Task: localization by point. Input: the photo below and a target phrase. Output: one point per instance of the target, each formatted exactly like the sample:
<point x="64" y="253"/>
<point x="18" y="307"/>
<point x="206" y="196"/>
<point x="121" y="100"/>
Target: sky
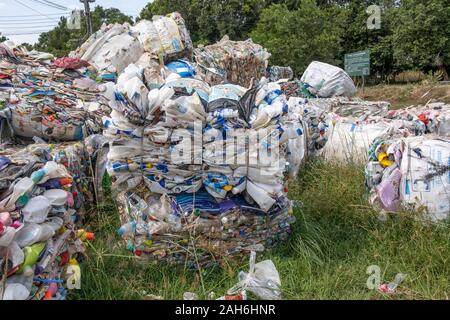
<point x="23" y="20"/>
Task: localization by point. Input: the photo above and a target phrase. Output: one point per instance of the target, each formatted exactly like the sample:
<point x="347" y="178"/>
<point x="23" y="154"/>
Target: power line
<point x="56" y="4"/>
<point x="28" y="21"/>
<point x="34" y="15"/>
<point x="24" y="33"/>
<point x="26" y="6"/>
<point x="52" y="5"/>
<point x="29" y="27"/>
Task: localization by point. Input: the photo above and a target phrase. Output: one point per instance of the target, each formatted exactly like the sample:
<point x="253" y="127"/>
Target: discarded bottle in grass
<point x="392" y="286"/>
<point x="398" y="279"/>
<point x="190" y="296"/>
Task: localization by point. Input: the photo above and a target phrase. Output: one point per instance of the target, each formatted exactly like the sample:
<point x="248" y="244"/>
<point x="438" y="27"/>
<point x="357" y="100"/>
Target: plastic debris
<point x="262" y="280"/>
<point x="326" y="81"/>
<point x="190" y="296"/>
<point x="112" y="48"/>
<point x="43" y="190"/>
<point x="166" y="201"/>
<point x="391" y="287"/>
<point x="236" y="62"/>
<point x="277" y="73"/>
<point x="414" y="174"/>
<point x="58" y="101"/>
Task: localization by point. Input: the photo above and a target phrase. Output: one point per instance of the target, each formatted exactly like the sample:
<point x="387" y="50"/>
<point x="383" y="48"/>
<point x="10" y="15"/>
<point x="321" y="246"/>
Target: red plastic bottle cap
<point x="66" y="181"/>
<point x="138" y="253"/>
<point x="90" y="236"/>
<point x="74" y="194"/>
<point x="48" y="295"/>
<point x="286" y="189"/>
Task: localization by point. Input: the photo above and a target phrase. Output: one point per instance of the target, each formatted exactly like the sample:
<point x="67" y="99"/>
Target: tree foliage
<point x="299" y="36"/>
<point x="421" y="35"/>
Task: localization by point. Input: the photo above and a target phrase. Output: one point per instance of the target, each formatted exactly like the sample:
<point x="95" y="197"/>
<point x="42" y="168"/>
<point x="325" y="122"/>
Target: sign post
<point x="357" y="64"/>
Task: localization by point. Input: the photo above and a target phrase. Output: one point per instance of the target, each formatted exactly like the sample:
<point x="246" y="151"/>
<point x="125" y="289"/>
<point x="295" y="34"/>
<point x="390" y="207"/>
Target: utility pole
<point x="87" y="12"/>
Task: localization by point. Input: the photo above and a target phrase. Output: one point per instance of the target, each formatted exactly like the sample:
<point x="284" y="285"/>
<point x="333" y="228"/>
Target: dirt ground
<point x="407" y="95"/>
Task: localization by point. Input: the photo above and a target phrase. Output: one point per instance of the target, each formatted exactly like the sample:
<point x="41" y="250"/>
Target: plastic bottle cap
<point x="48" y="295"/>
<point x="138" y="253"/>
<point x="73" y="262"/>
<point x="90" y="236"/>
<point x="148" y="243"/>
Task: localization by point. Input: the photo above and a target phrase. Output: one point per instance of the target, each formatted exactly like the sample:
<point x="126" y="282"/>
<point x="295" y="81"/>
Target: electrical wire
<point x="29" y="27"/>
<point x="27" y="22"/>
<point x="24" y="33"/>
<point x="50" y="4"/>
<point x="55" y="4"/>
<point x="32" y="9"/>
<point x="33" y="15"/>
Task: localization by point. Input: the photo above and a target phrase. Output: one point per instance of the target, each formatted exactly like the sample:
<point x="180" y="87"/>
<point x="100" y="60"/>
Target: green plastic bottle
<point x="32" y="254"/>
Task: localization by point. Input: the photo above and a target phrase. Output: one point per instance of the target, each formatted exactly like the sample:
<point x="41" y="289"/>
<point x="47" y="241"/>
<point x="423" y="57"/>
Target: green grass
<point x="336" y="237"/>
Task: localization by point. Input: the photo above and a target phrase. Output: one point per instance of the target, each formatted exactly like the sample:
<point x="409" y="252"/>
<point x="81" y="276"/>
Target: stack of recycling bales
<point x="410" y="173"/>
<point x="43" y="190"/>
<point x="57" y="100"/>
<point x="112" y="48"/>
<point x="235" y="62"/>
<point x="183" y="199"/>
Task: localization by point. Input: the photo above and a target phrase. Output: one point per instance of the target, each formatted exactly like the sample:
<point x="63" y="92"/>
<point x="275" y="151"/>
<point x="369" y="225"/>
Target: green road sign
<point x="357" y="64"/>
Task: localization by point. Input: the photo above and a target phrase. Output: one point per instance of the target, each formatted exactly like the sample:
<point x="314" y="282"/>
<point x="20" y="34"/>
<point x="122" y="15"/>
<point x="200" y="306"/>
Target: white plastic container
<point x="33" y="233"/>
<point x="57" y="197"/>
<point x="36" y="210"/>
<point x="15" y="291"/>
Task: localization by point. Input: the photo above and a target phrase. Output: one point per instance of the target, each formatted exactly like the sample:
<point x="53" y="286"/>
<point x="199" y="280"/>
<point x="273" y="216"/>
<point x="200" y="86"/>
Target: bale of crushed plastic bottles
<point x="44" y="189"/>
<point x="57" y="100"/>
<point x="410" y="173"/>
<point x="182" y="196"/>
<point x="236" y="62"/>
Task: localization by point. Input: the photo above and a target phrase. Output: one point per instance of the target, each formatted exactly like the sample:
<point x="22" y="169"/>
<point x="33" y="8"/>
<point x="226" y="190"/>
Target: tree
<point x="60" y="41"/>
<point x="297" y="37"/>
<point x="2" y="38"/>
<point x="421" y="35"/>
